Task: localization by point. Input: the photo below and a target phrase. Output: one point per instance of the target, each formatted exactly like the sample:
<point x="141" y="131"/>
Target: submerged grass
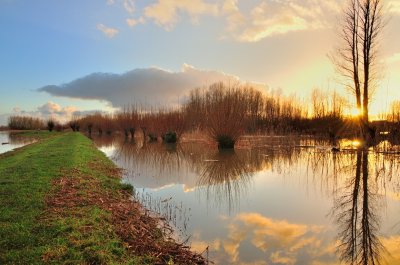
<point x="61" y="201"/>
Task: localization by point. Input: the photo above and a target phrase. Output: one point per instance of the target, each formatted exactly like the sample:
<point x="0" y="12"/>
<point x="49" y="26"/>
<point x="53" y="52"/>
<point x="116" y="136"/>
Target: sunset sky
<point x="59" y="57"/>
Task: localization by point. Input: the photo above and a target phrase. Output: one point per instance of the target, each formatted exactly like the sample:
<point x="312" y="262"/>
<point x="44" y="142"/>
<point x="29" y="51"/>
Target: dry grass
<point x="142" y="234"/>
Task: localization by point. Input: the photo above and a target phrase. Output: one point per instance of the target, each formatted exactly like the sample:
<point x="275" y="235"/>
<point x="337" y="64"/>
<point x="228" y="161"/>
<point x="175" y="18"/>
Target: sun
<point x="354" y="112"/>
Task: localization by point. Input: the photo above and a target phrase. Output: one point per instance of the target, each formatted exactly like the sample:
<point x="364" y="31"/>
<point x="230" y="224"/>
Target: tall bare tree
<point x="356" y="59"/>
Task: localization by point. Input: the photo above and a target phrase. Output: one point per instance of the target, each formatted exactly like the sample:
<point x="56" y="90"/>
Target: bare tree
<point x="357" y="58"/>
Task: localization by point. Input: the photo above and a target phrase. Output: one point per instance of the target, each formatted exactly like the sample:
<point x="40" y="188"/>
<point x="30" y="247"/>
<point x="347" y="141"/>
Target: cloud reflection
<point x="275" y="241"/>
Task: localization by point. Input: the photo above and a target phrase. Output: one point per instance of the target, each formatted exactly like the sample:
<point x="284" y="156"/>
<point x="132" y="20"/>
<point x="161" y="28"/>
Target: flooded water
<point x="10" y="141"/>
<point x="280" y="202"/>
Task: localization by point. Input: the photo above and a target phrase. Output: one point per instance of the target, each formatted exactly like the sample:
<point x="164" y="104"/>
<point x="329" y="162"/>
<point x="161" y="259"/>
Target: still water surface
<point x="280" y="202"/>
<point x="10" y="141"/>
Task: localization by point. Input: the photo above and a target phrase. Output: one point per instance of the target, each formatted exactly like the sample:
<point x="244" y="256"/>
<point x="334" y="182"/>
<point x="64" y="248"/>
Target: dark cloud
<point x="151" y="86"/>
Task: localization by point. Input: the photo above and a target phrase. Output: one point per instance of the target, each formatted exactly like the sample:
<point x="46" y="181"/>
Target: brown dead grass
<point x="142" y="234"/>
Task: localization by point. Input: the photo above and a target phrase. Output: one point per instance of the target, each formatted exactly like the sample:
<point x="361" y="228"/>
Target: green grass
<point x="42" y="134"/>
<point x="33" y="233"/>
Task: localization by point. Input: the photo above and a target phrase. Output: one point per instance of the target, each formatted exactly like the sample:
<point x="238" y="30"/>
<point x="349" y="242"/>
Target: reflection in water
<point x="222" y="175"/>
<point x="289" y="186"/>
<point x="227" y="174"/>
<point x="358" y="217"/>
<point x="10" y="141"/>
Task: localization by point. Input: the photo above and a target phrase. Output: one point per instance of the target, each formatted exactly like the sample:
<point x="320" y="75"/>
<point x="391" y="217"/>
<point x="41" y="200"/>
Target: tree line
<point x="223" y="113"/>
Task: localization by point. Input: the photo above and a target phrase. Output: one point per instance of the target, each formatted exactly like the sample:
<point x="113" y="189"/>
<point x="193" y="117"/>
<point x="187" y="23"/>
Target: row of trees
<point x="25" y="123"/>
<point x="223" y="112"/>
<point x="32" y="123"/>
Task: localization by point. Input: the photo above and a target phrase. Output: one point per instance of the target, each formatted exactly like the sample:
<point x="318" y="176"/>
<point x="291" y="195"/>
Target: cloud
<point x="46" y="111"/>
<point x="199" y="246"/>
<point x="234" y="16"/>
<point x="55" y="111"/>
<point x="141" y="86"/>
<point x="166" y="13"/>
<point x="280" y="233"/>
<point x="129" y="6"/>
<point x="394" y="7"/>
<point x="282" y="241"/>
<point x="109" y="32"/>
<point x="110" y="2"/>
<point x="133" y="22"/>
<point x="281" y="17"/>
<point x="268" y="18"/>
<point x="51" y="108"/>
<point x="265" y="19"/>
<point x="277" y="258"/>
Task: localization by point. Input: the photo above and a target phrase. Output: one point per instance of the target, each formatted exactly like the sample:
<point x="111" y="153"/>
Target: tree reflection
<point x="16" y="139"/>
<point x="223" y="175"/>
<point x="104" y="141"/>
<point x="356" y="214"/>
<point x="227" y="175"/>
<point x="357" y="178"/>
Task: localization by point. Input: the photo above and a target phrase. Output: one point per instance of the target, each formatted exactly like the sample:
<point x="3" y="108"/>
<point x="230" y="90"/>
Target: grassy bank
<point x="61" y="201"/>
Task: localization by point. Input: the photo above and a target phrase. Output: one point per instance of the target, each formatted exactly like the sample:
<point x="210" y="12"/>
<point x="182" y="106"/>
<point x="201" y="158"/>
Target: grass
<point x="46" y="200"/>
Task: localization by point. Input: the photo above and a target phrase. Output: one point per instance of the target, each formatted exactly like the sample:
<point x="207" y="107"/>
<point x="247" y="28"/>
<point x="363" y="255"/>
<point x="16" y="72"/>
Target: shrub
<point x="170" y="137"/>
<point x="225" y="142"/>
<point x="50" y="125"/>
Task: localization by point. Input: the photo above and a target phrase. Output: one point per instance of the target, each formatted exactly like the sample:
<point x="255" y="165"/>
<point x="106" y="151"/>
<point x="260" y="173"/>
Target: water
<point x="287" y="201"/>
<point x="10" y="141"/>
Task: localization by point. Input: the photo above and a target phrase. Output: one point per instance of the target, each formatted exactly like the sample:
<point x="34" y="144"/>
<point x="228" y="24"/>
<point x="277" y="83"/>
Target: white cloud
<point x="264" y="24"/>
<point x="166" y="13"/>
<point x="46" y="111"/>
<point x="281" y="17"/>
<point x="129" y="6"/>
<point x="234" y="17"/>
<point x="267" y="18"/>
<point x="142" y="86"/>
<point x="109" y="32"/>
<point x="110" y="2"/>
<point x="133" y="22"/>
<point x="51" y="108"/>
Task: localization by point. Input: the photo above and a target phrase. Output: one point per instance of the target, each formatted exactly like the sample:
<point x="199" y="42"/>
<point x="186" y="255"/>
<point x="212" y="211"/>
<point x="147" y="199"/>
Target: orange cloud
<point x="283" y="240"/>
<point x="166" y="12"/>
<point x="109" y="32"/>
<point x="392" y="245"/>
<point x="277" y="257"/>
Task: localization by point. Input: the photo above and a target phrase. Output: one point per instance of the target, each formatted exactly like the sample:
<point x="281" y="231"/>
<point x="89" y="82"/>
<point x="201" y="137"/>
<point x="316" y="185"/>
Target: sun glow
<point x="355" y="143"/>
<point x="354" y="112"/>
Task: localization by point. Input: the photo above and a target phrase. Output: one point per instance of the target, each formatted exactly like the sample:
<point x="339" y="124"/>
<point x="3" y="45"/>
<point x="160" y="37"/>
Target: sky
<point x="68" y="57"/>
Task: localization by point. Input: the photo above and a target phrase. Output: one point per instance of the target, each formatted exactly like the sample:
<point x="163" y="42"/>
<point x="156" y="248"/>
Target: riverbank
<point x="62" y="202"/>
